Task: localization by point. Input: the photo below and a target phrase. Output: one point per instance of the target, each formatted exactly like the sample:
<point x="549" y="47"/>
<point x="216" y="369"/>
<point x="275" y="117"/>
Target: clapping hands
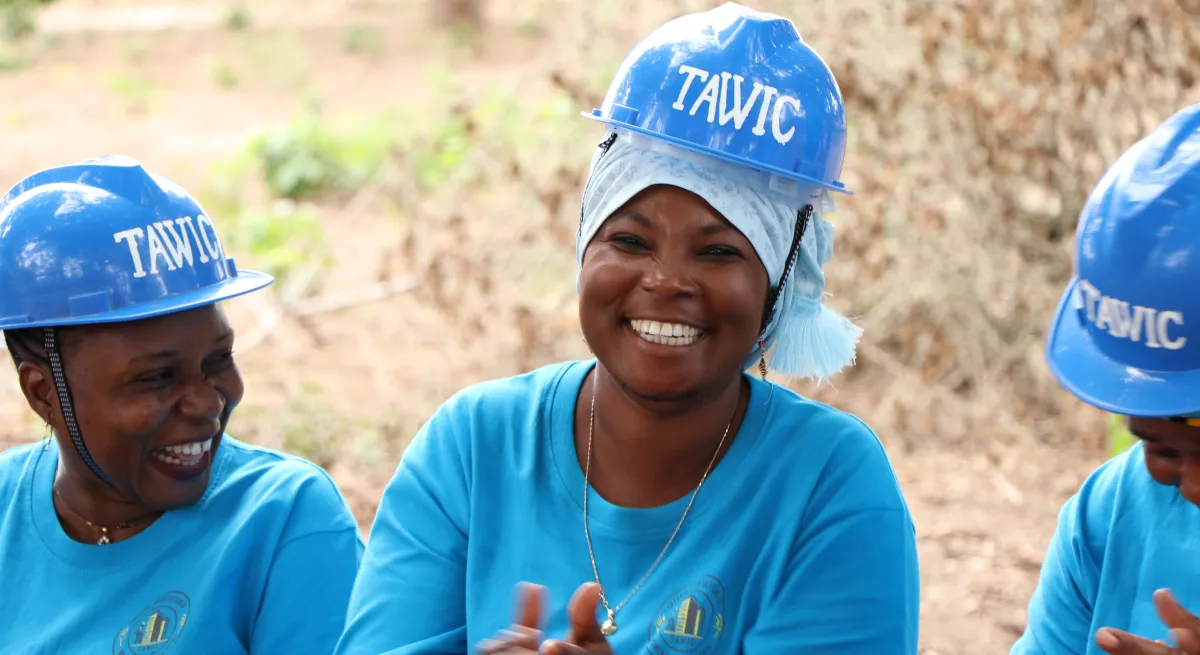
<point x="525" y="636"/>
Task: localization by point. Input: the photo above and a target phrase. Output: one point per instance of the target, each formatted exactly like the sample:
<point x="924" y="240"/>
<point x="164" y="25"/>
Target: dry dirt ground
<point x="986" y="447"/>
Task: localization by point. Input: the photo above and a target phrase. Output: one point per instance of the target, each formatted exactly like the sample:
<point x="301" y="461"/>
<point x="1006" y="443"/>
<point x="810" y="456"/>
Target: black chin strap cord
<point x="803" y="217"/>
<point x="68" y="407"/>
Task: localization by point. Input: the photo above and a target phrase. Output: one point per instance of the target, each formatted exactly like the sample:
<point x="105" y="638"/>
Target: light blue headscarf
<point x="804" y="338"/>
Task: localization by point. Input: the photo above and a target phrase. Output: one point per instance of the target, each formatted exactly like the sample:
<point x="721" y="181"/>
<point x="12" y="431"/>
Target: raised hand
<point x="1185" y="630"/>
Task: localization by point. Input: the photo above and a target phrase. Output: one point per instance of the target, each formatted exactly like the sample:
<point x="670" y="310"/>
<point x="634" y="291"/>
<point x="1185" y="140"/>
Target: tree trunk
<point x="468" y="14"/>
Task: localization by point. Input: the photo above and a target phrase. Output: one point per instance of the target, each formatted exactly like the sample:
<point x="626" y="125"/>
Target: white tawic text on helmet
<point x="717" y="94"/>
<point x="1149" y="326"/>
<point x="169" y="241"/>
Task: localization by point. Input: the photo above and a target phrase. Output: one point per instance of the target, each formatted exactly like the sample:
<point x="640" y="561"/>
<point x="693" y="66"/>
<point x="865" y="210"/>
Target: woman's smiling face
<point x="152" y="399"/>
<point x="672" y="296"/>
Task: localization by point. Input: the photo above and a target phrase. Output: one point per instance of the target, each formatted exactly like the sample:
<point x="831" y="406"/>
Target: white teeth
<point x="172" y="460"/>
<point x="184" y="454"/>
<point x="669" y="334"/>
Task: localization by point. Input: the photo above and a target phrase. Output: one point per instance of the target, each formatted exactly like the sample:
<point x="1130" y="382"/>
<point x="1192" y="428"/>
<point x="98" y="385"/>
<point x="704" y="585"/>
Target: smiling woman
<point x="670" y="243"/>
<point x="659" y="499"/>
<point x="161" y="530"/>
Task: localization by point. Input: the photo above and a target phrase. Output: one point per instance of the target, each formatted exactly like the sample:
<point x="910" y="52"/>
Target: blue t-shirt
<point x="263" y="563"/>
<point x="798" y="542"/>
<point x="1119" y="539"/>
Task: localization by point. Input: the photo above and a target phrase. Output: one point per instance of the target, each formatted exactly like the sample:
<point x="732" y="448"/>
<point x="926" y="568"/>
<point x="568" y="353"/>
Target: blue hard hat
<point x="739" y="85"/>
<point x="103" y="241"/>
<point x="1126" y="337"/>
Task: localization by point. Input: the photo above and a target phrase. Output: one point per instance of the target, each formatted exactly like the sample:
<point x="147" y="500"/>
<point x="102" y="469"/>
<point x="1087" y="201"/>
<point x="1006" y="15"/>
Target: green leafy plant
<point x="308" y="157"/>
<point x="362" y="40"/>
<point x="18" y="18"/>
<point x="238" y="17"/>
<point x="436" y="157"/>
<point x="136" y="92"/>
<point x="1120" y="438"/>
<point x="283" y="240"/>
<point x="222" y="73"/>
<point x="10" y="59"/>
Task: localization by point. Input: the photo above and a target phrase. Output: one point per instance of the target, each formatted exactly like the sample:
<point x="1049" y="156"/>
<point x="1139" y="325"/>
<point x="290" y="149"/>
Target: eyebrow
<point x="162" y="354"/>
<point x="715" y="228"/>
<point x="168" y="354"/>
<point x="640" y="218"/>
<point x="636" y="217"/>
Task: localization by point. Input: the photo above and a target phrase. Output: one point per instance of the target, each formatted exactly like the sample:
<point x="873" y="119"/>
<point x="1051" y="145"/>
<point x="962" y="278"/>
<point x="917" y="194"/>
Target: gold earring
<point x="49" y="434"/>
<point x="587" y="345"/>
<point x="762" y="360"/>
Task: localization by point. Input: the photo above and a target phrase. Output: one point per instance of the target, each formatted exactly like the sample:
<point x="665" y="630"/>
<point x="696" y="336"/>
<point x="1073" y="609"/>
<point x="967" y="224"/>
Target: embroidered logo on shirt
<point x="692" y="620"/>
<point x="153" y="630"/>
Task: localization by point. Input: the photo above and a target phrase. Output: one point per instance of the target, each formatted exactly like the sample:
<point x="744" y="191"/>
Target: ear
<point x="38" y="386"/>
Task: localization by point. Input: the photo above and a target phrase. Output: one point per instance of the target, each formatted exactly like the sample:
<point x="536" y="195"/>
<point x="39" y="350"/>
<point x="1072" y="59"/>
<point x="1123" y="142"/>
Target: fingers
<point x="1172" y="613"/>
<point x="582" y="614"/>
<point x="1119" y="642"/>
<point x="519" y="640"/>
<point x="524" y="635"/>
<point x="531" y="601"/>
<point x="1188" y="641"/>
<point x="562" y="648"/>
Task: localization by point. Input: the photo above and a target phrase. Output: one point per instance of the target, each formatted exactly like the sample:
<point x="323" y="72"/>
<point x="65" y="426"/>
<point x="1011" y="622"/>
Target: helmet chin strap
<point x="68" y="408"/>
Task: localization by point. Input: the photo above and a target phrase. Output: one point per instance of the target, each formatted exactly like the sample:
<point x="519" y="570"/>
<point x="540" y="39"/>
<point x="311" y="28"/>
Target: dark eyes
<point x="160" y="378"/>
<point x="628" y="241"/>
<point x="1162" y="453"/>
<point x="631" y="243"/>
<point x="219" y="361"/>
<point x="157" y="378"/>
<point x="722" y="251"/>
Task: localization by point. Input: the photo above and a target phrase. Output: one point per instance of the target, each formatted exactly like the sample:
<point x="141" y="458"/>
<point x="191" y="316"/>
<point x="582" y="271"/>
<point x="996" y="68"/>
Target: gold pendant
<point x="610" y="626"/>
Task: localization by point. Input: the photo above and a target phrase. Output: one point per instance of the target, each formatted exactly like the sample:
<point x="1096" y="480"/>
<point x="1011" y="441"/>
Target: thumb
<point x="1172" y="613"/>
<point x="530" y="604"/>
<point x="582" y="614"/>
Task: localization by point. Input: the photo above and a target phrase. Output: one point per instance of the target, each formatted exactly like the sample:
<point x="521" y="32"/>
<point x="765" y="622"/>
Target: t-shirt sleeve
<point x="1060" y="610"/>
<point x="303" y="607"/>
<point x="852" y="582"/>
<point x="409" y="597"/>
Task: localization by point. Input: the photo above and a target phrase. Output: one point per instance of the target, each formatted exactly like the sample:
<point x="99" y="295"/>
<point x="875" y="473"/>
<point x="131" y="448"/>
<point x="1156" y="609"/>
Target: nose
<point x="1189" y="480"/>
<point x="203" y="402"/>
<point x="669" y="276"/>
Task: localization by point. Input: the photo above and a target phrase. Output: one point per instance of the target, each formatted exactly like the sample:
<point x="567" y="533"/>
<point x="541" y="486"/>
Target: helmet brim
<point x="1090" y="375"/>
<point x="245" y="282"/>
<point x="723" y="156"/>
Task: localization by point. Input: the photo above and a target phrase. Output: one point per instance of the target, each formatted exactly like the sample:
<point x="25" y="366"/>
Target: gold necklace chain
<point x="103" y="540"/>
<point x="610" y="625"/>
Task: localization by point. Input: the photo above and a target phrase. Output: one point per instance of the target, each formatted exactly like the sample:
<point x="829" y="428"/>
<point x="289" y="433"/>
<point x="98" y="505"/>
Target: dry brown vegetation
<point x="977" y="128"/>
